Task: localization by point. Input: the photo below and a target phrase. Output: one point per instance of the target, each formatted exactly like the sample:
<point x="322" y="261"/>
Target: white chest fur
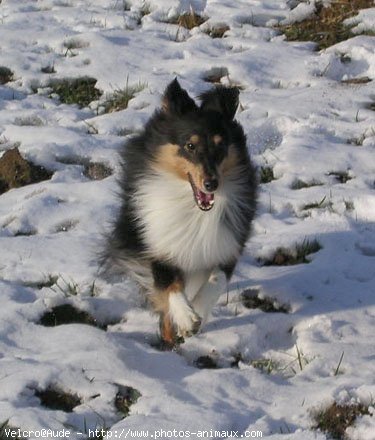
<point x="175" y="229"/>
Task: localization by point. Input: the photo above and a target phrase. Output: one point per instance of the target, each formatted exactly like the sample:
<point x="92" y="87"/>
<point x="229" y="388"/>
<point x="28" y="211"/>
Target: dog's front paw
<point x="189" y="325"/>
<point x="183" y="317"/>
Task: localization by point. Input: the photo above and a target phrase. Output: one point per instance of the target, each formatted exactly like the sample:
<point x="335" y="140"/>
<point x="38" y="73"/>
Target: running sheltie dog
<point x="188" y="198"/>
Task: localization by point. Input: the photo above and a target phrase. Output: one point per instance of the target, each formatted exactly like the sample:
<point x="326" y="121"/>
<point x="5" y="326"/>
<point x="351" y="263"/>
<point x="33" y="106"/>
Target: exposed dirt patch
<point x="340" y="176"/>
<point x="266" y="174"/>
<point x="217" y="31"/>
<point x="301" y="184"/>
<point x="125" y="397"/>
<point x="15" y="171"/>
<point x="92" y="170"/>
<point x="215" y="74"/>
<point x="55" y="398"/>
<point x="188" y="20"/>
<point x="356" y="81"/>
<point x="204" y="362"/>
<point x="6" y="74"/>
<point x="252" y="300"/>
<point x="48" y="281"/>
<point x="97" y="171"/>
<point x="49" y="69"/>
<point x="68" y="314"/>
<point x="336" y="418"/>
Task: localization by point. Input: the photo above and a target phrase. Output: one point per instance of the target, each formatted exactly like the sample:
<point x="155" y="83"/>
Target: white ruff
<point x="175" y="229"/>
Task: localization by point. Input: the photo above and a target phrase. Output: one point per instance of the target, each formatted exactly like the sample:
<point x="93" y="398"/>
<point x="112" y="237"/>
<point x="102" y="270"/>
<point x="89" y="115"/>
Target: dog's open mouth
<point x="203" y="200"/>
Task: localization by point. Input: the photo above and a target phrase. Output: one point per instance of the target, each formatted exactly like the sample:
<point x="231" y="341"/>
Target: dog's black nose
<point x="211" y="184"/>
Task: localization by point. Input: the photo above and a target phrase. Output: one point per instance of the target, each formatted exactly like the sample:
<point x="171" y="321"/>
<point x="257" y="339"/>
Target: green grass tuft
<point x="322" y="204"/>
<point x="266" y="175"/>
<point x="120" y="98"/>
<point x="28" y="121"/>
<point x="296" y="255"/>
<point x="326" y="27"/>
<point x="287" y="368"/>
<point x="126" y="396"/>
<point x="265" y="365"/>
<point x="145" y="9"/>
<point x="79" y="91"/>
<point x="349" y="205"/>
<point x="301" y="184"/>
<point x="340" y="176"/>
<point x="74" y="43"/>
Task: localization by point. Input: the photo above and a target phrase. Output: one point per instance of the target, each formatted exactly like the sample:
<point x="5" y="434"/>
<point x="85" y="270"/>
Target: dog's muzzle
<point x="205" y="201"/>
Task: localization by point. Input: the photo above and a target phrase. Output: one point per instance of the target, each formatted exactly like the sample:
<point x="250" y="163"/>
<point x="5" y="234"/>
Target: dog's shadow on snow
<point x="339" y="276"/>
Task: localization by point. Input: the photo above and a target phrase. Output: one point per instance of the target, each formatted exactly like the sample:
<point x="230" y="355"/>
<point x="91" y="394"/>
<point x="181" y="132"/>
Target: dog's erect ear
<point x="176" y="101"/>
<point x="221" y="99"/>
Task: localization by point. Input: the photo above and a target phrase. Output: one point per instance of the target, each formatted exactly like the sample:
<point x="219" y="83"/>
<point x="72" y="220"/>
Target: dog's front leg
<point x="177" y="318"/>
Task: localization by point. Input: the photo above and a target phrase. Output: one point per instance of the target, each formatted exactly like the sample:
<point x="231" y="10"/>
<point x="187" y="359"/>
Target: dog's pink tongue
<point x="206" y="198"/>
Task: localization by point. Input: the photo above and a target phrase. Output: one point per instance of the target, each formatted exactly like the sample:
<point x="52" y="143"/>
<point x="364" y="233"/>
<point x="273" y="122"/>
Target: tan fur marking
<point x="165" y="105"/>
<point x="160" y="298"/>
<point x="159" y="301"/>
<point x="194" y="139"/>
<point x="229" y="162"/>
<point x="217" y="139"/>
<point x="167" y="331"/>
<point x="175" y="287"/>
<point x="169" y="160"/>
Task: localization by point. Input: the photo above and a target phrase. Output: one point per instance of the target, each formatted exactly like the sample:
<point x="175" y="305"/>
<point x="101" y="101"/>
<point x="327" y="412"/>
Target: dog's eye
<point x="190" y="147"/>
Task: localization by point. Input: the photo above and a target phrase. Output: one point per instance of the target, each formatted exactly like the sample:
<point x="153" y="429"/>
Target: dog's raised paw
<point x="189" y="328"/>
<point x="183" y="317"/>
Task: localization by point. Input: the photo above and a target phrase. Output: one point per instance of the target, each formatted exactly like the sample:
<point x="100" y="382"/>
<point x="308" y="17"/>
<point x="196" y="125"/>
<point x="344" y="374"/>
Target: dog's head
<point x="200" y="144"/>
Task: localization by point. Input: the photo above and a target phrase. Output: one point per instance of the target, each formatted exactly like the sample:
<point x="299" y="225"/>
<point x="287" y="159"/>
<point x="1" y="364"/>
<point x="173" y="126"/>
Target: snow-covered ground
<point x="300" y="119"/>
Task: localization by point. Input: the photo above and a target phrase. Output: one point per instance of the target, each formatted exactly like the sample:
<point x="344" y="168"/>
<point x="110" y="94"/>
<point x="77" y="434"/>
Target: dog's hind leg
<point x="177" y="318"/>
<point x="209" y="294"/>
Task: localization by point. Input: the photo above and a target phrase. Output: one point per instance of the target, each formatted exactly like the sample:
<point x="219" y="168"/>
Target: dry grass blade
<point x="188" y="20"/>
